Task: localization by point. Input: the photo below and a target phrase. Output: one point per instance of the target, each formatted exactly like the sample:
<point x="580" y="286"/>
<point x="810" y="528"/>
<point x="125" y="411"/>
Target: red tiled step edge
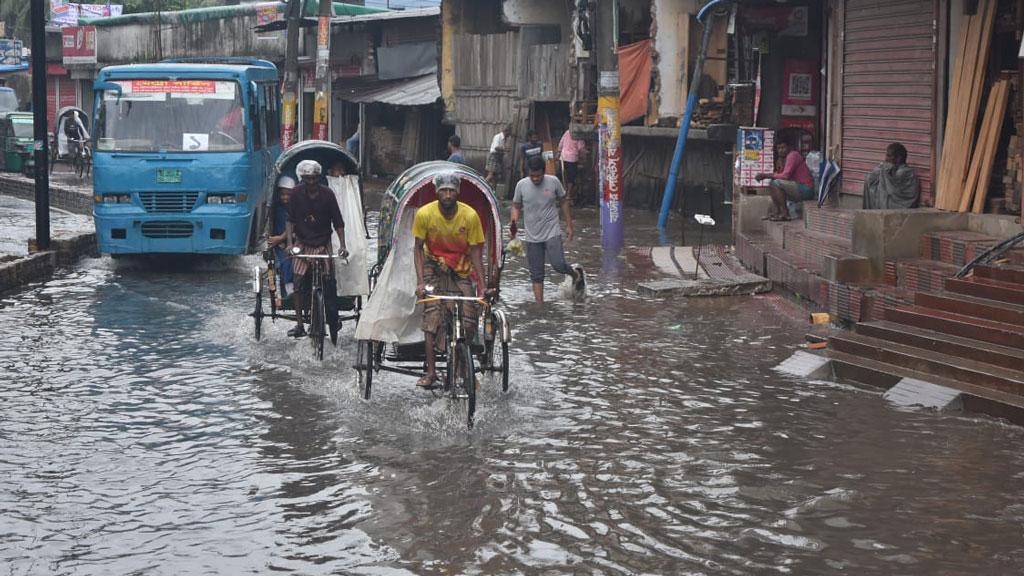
<point x="929" y="362"/>
<point x="1012" y="274"/>
<point x="978" y="399"/>
<point x="986" y="288"/>
<point x="971" y="306"/>
<point x="944" y="344"/>
<point x="958" y="325"/>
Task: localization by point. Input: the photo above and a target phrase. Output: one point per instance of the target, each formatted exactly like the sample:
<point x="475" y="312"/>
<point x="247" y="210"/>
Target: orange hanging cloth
<point x="634" y="80"/>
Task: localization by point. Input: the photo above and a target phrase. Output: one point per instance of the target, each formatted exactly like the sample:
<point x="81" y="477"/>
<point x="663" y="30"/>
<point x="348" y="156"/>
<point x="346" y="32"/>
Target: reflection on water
<point x="144" y="431"/>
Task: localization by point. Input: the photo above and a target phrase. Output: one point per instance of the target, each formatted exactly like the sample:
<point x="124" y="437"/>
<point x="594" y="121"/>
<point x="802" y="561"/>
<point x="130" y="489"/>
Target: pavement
<point x="711" y="270"/>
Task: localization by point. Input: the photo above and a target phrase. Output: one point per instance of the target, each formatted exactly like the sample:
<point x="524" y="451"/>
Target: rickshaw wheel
<point x="364" y="366"/>
<point x="504" y="366"/>
<point x="465" y="369"/>
<point x="316" y="323"/>
<point x="257" y="314"/>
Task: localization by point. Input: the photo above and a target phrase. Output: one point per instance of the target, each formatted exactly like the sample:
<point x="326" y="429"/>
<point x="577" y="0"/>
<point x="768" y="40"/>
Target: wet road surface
<point x="18" y="221"/>
<point x="144" y="431"/>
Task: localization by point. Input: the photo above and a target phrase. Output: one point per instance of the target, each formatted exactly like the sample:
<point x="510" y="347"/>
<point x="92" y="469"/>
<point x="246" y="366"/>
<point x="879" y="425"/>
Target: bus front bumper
<point x="142" y="233"/>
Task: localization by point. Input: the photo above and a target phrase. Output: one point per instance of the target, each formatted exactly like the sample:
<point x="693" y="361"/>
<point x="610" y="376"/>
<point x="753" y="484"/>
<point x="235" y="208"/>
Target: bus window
<point x="273" y="114"/>
<point x="172" y="116"/>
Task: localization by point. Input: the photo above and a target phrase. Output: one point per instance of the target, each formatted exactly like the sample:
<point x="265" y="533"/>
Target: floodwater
<point x="144" y="431"/>
<point x="18" y="221"/>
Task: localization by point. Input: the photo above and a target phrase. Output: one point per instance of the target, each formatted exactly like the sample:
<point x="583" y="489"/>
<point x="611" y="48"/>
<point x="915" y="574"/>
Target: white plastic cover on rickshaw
<point x="353" y="278"/>
<point x="391" y="313"/>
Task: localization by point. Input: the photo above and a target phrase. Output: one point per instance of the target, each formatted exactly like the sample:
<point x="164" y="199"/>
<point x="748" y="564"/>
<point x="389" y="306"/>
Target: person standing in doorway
<point x="533" y="147"/>
<point x="455" y="150"/>
<point x="538" y="199"/>
<point x="569" y="150"/>
<point x="495" y="167"/>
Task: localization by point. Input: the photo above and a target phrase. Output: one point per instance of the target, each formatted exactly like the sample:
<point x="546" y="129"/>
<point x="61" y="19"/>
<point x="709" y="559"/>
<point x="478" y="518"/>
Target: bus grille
<point x="168" y="201"/>
<point x="166" y="229"/>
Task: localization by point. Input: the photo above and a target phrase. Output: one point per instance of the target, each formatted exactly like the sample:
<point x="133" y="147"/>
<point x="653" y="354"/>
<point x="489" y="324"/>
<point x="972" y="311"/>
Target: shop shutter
<point x="889" y="87"/>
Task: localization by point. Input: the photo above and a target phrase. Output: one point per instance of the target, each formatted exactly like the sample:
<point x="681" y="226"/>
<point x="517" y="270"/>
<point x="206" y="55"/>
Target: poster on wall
<point x="800" y="88"/>
<point x="755" y="154"/>
<point x="10" y="52"/>
<point x="64" y="13"/>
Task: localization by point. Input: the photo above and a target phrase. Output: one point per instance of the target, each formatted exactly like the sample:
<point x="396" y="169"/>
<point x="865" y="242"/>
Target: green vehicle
<point x="16" y="135"/>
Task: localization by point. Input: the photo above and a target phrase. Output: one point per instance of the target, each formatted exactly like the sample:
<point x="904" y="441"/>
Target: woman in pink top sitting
<point x="794" y="183"/>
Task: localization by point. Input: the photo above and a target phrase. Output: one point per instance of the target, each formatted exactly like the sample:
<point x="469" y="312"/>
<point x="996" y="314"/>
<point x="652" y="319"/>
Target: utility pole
<point x="289" y="106"/>
<point x="322" y="102"/>
<point x="40" y="146"/>
<point x="609" y="126"/>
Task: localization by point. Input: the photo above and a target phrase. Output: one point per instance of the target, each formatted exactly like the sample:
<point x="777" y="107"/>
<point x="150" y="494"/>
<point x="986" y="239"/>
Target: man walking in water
<point x="536" y="204"/>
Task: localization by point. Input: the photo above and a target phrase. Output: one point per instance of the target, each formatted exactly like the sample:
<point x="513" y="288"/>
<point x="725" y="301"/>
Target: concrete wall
<point x="135" y="43"/>
<point x="671" y="31"/>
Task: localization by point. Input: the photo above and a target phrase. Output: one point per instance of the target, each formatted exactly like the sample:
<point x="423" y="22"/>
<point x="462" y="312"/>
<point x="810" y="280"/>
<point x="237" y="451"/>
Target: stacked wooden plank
<point x="980" y="174"/>
<point x="967" y="86"/>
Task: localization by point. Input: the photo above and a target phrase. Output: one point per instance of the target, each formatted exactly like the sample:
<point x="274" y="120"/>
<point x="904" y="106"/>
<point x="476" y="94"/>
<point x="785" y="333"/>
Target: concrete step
<point x="1003" y="273"/>
<point x="930" y="362"/>
<point x="777" y="231"/>
<point x="958" y="325"/>
<point x="986" y="288"/>
<point x="750" y="249"/>
<point x="923" y="274"/>
<point x="944" y="344"/>
<point x="833" y="222"/>
<point x="971" y="306"/>
<point x="831" y="257"/>
<point x="956" y="247"/>
<point x="851" y="367"/>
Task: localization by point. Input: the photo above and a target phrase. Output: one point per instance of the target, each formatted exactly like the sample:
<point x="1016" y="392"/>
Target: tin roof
<point x="418" y="91"/>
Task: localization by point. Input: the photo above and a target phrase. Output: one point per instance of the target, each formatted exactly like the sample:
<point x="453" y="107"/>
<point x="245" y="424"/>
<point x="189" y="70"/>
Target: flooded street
<point x="143" y="430"/>
<point x="17" y="219"/>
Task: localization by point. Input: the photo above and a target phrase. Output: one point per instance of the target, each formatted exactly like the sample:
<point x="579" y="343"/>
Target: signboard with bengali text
<point x="78" y="44"/>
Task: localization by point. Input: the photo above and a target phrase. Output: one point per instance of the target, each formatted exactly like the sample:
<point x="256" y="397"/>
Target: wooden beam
<point x="995" y="133"/>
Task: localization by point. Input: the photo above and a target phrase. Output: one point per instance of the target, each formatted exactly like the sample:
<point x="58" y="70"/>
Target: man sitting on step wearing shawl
<point x="893" y="184"/>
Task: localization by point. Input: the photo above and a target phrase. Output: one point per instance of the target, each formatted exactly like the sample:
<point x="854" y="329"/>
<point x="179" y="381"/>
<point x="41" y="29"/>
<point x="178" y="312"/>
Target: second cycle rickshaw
<point x="389" y="333"/>
<point x="76" y="152"/>
<point x="334" y="298"/>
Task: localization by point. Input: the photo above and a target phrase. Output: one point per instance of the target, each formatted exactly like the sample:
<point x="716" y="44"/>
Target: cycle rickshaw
<point x="61" y="149"/>
<point x="334" y="298"/>
<point x="389" y="333"/>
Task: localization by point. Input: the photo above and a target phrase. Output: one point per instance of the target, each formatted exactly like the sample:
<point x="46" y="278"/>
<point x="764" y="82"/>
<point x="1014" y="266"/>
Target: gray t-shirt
<point x="540" y="208"/>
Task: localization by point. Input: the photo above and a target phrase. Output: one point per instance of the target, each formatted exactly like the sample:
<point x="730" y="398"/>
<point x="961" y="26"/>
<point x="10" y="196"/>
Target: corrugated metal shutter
<point x="889" y="87"/>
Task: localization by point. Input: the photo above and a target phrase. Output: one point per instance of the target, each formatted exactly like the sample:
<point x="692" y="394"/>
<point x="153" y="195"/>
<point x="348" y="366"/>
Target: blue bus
<point x="183" y="155"/>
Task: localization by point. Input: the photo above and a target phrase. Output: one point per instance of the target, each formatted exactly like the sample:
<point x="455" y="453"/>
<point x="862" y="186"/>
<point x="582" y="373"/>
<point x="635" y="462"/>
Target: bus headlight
<point x="117" y="198"/>
<point x="221" y="199"/>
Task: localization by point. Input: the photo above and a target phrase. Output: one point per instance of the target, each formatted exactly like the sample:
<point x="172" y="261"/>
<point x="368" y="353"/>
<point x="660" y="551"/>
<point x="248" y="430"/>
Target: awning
<point x="419" y="91"/>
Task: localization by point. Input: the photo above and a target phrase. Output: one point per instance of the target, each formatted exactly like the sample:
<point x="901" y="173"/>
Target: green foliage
<point x="16" y="15"/>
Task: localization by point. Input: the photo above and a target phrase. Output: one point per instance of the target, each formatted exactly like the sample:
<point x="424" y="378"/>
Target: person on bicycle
<point x="312" y="214"/>
<point x="75" y="134"/>
<point x="449" y="257"/>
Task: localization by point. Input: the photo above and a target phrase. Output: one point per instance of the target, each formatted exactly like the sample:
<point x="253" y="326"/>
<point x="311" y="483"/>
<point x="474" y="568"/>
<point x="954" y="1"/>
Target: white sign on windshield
<point x="195" y="142"/>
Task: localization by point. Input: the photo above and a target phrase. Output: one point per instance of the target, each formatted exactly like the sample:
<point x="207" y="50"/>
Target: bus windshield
<point x="172" y="116"/>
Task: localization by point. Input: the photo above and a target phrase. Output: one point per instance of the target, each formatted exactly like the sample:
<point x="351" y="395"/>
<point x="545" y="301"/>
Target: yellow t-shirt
<point x="448" y="241"/>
